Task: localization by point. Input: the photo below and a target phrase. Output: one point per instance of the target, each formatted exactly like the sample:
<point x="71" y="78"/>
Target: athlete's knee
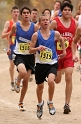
<point x="23" y="73"/>
<point x="40" y="86"/>
<point x="50" y="82"/>
<point x="68" y="78"/>
<point x="57" y="80"/>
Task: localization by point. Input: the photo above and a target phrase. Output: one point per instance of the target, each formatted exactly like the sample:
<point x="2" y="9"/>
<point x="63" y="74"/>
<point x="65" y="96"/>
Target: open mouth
<point x="26" y="17"/>
<point x="45" y="24"/>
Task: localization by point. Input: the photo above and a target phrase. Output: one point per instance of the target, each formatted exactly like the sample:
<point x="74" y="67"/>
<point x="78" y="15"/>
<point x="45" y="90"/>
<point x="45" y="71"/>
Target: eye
<point x="25" y="12"/>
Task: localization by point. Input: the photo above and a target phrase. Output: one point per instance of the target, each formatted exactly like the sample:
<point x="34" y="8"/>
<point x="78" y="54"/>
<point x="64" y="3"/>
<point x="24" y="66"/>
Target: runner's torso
<point x="23" y="39"/>
<point x="48" y="56"/>
<point x="9" y="29"/>
<point x="68" y="34"/>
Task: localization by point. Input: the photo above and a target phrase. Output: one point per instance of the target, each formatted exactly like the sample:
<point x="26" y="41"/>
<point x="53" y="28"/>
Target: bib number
<point x="24" y="47"/>
<point x="59" y="47"/>
<point x="46" y="56"/>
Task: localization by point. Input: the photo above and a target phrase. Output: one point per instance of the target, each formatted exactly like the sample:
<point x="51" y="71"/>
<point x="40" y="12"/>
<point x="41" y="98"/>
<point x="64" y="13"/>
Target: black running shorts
<point x="43" y="70"/>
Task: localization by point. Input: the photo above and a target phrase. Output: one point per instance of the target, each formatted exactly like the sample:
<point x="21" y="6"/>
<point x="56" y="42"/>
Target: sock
<point x="49" y="102"/>
<point x="40" y="104"/>
<point x="66" y="104"/>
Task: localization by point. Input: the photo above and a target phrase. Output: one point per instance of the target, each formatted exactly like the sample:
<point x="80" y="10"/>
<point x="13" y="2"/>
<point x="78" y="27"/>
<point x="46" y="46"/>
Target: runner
<point x="74" y="44"/>
<point x="5" y="34"/>
<point x="21" y="57"/>
<point x="67" y="27"/>
<point x="56" y="12"/>
<point x="78" y="18"/>
<point x="65" y="1"/>
<point x="47" y="12"/>
<point x="79" y="51"/>
<point x="47" y="61"/>
<point x="34" y="16"/>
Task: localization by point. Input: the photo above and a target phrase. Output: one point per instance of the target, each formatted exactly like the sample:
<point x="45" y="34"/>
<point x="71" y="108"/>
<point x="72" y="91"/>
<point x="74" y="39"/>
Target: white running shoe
<point x="51" y="108"/>
<point x="40" y="110"/>
<point x="21" y="107"/>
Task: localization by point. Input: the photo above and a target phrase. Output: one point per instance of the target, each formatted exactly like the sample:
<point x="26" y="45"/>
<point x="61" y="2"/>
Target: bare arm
<point x="54" y="15"/>
<point x="36" y="27"/>
<point x="4" y="32"/>
<point x="61" y="40"/>
<point x="77" y="37"/>
<point x="77" y="17"/>
<point x="33" y="42"/>
<point x="38" y="24"/>
<point x="53" y="25"/>
<point x="13" y="30"/>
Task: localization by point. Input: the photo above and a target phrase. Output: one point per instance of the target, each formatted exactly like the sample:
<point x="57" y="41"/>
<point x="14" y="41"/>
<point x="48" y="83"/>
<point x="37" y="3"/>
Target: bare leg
<point x="39" y="92"/>
<point x="11" y="70"/>
<point x="68" y="79"/>
<point x="58" y="77"/>
<point x="51" y="85"/>
<point x="25" y="85"/>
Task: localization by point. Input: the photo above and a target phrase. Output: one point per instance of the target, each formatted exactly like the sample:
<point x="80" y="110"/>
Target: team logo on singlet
<point x="59" y="47"/>
<point x="46" y="55"/>
<point x="23" y="48"/>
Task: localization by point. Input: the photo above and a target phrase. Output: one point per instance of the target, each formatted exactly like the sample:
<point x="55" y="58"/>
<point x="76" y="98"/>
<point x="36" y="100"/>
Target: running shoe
<point x="16" y="87"/>
<point x="21" y="107"/>
<point x="40" y="110"/>
<point x="78" y="68"/>
<point x="66" y="109"/>
<point x="12" y="86"/>
<point x="51" y="108"/>
<point x="31" y="78"/>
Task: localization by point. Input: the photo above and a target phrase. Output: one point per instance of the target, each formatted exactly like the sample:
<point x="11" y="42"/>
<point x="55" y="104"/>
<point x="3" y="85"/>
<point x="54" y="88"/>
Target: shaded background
<point x="6" y="5"/>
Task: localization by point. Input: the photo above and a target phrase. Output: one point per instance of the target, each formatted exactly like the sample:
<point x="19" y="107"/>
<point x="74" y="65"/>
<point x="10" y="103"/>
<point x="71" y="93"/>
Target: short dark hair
<point x="14" y="7"/>
<point x="26" y="9"/>
<point x="47" y="10"/>
<point x="68" y="5"/>
<point x="34" y="10"/>
<point x="69" y="1"/>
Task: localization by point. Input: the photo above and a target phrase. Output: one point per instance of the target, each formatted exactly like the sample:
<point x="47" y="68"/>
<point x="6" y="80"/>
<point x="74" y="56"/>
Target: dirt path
<point x="9" y="111"/>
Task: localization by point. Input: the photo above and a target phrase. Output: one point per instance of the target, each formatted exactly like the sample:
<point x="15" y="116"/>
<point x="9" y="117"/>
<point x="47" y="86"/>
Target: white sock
<point x="49" y="102"/>
<point x="40" y="103"/>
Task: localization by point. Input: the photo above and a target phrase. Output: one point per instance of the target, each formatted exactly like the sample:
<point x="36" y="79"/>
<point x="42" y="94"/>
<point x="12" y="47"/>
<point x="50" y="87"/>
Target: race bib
<point x="46" y="55"/>
<point x="59" y="47"/>
<point x="24" y="47"/>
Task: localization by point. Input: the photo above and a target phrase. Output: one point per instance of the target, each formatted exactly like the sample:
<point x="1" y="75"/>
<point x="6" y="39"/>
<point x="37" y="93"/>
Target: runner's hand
<point x="8" y="52"/>
<point x="41" y="48"/>
<point x="75" y="58"/>
<point x="61" y="56"/>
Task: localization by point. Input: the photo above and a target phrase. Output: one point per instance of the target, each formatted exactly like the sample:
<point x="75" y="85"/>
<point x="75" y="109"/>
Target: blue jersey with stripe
<point x="22" y="38"/>
<point x="49" y="44"/>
